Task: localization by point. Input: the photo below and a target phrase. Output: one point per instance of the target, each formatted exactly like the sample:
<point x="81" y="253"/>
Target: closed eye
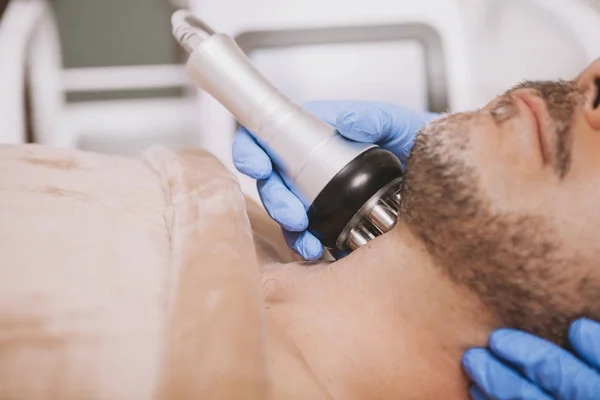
<point x="597" y="100"/>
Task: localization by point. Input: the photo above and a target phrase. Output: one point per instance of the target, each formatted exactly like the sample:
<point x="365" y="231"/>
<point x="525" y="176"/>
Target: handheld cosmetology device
<point x="351" y="190"/>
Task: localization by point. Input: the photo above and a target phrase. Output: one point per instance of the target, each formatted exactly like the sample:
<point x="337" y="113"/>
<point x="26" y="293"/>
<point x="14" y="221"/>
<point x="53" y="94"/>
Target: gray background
<point x="101" y="33"/>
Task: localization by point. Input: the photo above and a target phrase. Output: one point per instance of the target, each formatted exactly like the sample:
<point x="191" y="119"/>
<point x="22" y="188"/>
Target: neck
<point x="382" y="322"/>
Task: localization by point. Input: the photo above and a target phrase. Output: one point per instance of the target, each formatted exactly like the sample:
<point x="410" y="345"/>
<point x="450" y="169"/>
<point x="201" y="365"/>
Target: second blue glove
<point x="520" y="366"/>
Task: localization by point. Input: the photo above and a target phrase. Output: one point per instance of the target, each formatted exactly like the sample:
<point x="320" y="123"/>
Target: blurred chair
<point x="411" y="52"/>
<point x="438" y="55"/>
<point x="18" y="25"/>
<point x="127" y="126"/>
<point x="33" y="87"/>
<point x="46" y="103"/>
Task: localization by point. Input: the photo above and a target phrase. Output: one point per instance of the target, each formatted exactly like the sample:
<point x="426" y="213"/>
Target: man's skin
<point x="146" y="277"/>
<point x="387" y="322"/>
<point x="370" y="326"/>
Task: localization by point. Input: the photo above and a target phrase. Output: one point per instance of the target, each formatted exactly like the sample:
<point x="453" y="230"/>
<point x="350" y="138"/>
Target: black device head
<point x="348" y="191"/>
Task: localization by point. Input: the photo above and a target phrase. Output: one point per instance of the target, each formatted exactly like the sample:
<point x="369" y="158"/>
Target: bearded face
<point x="501" y="199"/>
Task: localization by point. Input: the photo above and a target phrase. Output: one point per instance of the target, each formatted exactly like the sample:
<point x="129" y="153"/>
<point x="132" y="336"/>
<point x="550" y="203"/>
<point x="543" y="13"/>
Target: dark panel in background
<point x="96" y="33"/>
<point x="102" y="33"/>
<point x="125" y="95"/>
<point x="3" y="4"/>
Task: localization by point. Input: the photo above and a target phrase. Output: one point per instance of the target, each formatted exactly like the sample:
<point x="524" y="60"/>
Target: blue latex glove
<point x="390" y="126"/>
<point x="540" y="369"/>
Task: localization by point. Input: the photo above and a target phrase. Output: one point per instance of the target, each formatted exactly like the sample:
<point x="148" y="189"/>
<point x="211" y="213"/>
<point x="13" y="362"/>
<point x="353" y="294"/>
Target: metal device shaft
<point x="333" y="176"/>
<point x="308" y="151"/>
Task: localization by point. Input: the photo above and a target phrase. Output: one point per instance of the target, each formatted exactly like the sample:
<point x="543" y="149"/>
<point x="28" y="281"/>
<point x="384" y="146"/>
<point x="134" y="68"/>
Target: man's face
<point x="506" y="198"/>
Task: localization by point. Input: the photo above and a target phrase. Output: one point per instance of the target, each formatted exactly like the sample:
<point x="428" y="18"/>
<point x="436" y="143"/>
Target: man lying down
<point x="155" y="278"/>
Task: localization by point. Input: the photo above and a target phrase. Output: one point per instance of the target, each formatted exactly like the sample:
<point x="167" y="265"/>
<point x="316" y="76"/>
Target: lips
<point x="536" y="113"/>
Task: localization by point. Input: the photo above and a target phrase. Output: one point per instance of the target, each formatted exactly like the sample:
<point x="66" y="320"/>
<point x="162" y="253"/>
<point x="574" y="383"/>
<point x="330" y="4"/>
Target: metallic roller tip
<point x="396" y="199"/>
<point x="189" y="30"/>
<point x="382" y="217"/>
<point x="359" y="237"/>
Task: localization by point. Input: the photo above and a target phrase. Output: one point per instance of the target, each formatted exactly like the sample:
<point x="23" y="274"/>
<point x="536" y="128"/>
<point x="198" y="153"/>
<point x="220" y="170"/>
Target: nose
<point x="589" y="81"/>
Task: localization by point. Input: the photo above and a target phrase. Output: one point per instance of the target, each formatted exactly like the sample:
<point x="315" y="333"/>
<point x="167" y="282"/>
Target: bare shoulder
<point x="132" y="262"/>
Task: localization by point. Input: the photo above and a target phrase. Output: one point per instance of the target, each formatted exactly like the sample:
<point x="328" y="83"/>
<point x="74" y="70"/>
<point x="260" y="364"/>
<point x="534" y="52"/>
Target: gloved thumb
<point x="390" y="126"/>
<point x="368" y="123"/>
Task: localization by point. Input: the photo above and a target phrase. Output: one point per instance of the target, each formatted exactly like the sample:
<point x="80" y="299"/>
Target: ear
<point x="589" y="80"/>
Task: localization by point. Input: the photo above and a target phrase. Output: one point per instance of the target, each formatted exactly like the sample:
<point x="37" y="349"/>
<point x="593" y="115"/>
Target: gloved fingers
<point x="326" y="110"/>
<point x="248" y="157"/>
<point x="305" y="244"/>
<point x="390" y="126"/>
<point x="584" y="336"/>
<point x="553" y="369"/>
<point x="477" y="394"/>
<point x="281" y="204"/>
<point x="496" y="380"/>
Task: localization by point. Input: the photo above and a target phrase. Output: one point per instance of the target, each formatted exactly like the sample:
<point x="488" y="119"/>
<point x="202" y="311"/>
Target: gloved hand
<point x="540" y="369"/>
<point x="390" y="126"/>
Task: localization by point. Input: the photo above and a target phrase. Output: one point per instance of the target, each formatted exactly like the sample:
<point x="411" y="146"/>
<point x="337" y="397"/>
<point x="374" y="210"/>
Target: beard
<point x="514" y="263"/>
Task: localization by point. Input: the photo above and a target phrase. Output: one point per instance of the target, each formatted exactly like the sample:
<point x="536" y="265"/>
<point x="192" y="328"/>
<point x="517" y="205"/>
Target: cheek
<point x="585" y="153"/>
<point x="576" y="216"/>
<point x="509" y="166"/>
<point x="577" y="197"/>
